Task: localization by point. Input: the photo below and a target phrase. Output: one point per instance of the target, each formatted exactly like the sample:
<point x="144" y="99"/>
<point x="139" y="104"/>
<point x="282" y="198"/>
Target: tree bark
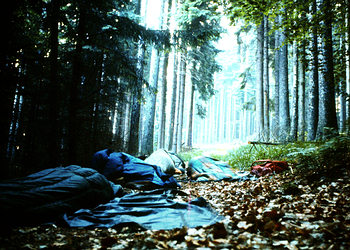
<point x="73" y="127"/>
<point x="284" y="92"/>
<point x="133" y="145"/>
<point x="54" y="89"/>
<point x="183" y="66"/>
<point x="266" y="86"/>
<point x="327" y="122"/>
<point x="302" y="100"/>
<point x="295" y="101"/>
<point x="277" y="81"/>
<point x="173" y="102"/>
<point x="190" y="119"/>
<point x="313" y="87"/>
<point x="163" y="92"/>
<point x="260" y="81"/>
<point x="150" y="105"/>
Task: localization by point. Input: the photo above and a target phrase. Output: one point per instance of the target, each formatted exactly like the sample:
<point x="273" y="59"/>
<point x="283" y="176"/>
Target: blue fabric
<point x="204" y="168"/>
<point x="46" y="195"/>
<point x="135" y="172"/>
<point x="154" y="210"/>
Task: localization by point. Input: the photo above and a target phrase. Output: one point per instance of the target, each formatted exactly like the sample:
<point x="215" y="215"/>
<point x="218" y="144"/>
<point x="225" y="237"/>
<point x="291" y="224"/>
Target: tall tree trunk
<point x="266" y="87"/>
<point x="260" y="81"/>
<point x="295" y="101"/>
<point x="284" y="92"/>
<point x="277" y="81"/>
<point x="163" y="92"/>
<point x="348" y="65"/>
<point x="313" y="87"/>
<point x="53" y="143"/>
<point x="150" y="105"/>
<point x="133" y="145"/>
<point x="183" y="66"/>
<point x="190" y="118"/>
<point x="327" y="122"/>
<point x="301" y="116"/>
<point x="173" y="102"/>
<point x="73" y="129"/>
<point x="9" y="75"/>
<point x="163" y="81"/>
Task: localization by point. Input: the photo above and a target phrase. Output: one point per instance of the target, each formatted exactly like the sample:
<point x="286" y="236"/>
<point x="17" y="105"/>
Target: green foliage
<point x="243" y="157"/>
<point x="332" y="155"/>
<point x="188" y="155"/>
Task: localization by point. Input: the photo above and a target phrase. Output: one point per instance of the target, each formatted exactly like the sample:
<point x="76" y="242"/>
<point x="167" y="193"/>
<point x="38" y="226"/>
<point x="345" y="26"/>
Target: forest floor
<point x="292" y="210"/>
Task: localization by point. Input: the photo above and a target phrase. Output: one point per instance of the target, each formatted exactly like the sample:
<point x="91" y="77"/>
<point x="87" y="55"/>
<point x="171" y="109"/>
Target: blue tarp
<point x="131" y="171"/>
<point x="153" y="210"/>
<point x="203" y="168"/>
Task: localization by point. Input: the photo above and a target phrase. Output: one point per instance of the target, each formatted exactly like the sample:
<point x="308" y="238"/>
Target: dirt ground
<point x="292" y="210"/>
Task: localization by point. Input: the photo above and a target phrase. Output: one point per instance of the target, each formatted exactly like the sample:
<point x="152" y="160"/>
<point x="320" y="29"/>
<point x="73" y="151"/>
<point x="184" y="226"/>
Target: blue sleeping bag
<point x="131" y="171"/>
<point x="46" y="195"/>
<point x="203" y="168"/>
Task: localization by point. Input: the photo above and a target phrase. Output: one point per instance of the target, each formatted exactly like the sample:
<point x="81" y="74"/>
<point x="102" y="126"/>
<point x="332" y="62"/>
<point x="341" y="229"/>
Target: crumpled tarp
<point x="203" y="168"/>
<point x="46" y="195"/>
<point x="133" y="172"/>
<point x="153" y="210"/>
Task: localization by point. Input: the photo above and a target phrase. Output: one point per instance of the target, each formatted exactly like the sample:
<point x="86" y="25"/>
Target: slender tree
<point x="295" y="95"/>
<point x="182" y="78"/>
<point x="284" y="115"/>
<point x="313" y="95"/>
<point x="260" y="80"/>
<point x="266" y="87"/>
<point x="54" y="88"/>
<point x="327" y="122"/>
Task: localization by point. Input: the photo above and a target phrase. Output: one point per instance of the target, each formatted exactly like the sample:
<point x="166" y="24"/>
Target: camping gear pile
<point x="95" y="197"/>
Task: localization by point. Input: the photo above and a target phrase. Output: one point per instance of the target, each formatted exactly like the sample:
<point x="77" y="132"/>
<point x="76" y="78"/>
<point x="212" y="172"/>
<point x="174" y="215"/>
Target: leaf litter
<point x="284" y="211"/>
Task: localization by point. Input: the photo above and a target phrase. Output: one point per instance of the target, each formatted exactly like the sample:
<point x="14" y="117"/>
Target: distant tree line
<point x="306" y="43"/>
<point x="80" y="76"/>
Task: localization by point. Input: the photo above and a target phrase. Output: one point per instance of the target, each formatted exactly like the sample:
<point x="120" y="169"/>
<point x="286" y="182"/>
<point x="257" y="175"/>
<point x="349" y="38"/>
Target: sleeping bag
<point x="46" y="195"/>
<point x="203" y="168"/>
<point x="130" y="171"/>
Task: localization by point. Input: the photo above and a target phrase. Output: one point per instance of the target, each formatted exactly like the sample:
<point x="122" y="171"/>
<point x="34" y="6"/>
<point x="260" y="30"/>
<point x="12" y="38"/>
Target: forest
<point x="136" y="76"/>
<point x="267" y="79"/>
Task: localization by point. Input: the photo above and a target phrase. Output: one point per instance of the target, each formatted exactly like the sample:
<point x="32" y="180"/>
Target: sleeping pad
<point x="153" y="210"/>
<point x="203" y="168"/>
<point x="131" y="171"/>
<point x="46" y="195"/>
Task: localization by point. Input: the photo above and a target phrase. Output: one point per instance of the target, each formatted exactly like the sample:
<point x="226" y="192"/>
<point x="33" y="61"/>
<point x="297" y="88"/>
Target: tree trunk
<point x="260" y="81"/>
<point x="347" y="45"/>
<point x="150" y="105"/>
<point x="54" y="89"/>
<point x="163" y="92"/>
<point x="73" y="126"/>
<point x="266" y="87"/>
<point x="295" y="101"/>
<point x="190" y="119"/>
<point x="327" y="122"/>
<point x="133" y="145"/>
<point x="183" y="66"/>
<point x="284" y="92"/>
<point x="313" y="95"/>
<point x="173" y="102"/>
<point x="302" y="102"/>
<point x="277" y="81"/>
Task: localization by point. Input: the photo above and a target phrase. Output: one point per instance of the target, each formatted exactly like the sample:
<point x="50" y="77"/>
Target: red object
<point x="268" y="167"/>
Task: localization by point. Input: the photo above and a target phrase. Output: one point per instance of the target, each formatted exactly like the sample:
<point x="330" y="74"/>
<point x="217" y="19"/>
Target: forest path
<point x="218" y="148"/>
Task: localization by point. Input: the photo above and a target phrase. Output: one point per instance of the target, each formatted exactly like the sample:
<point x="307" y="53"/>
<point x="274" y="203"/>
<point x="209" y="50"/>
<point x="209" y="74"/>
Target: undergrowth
<point x="328" y="155"/>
